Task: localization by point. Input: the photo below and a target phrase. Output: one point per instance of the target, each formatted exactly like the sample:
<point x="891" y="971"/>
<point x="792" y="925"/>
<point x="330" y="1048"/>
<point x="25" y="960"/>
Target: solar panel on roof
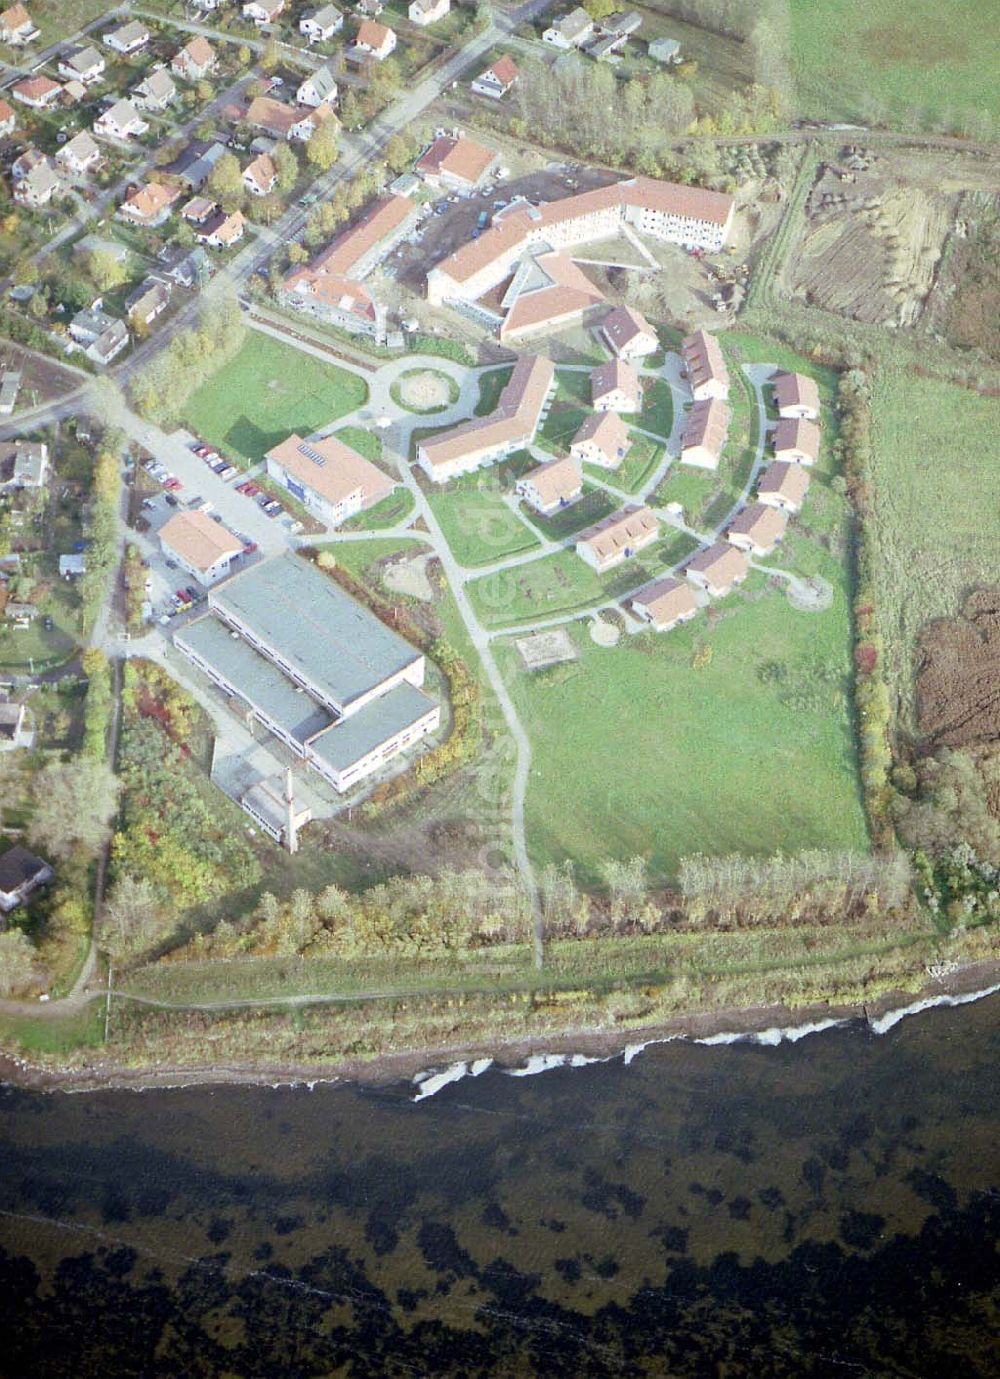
<point x="312" y="454"/>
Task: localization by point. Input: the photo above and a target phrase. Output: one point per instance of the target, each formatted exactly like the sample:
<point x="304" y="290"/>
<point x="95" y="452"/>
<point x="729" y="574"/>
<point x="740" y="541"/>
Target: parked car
<point x="249" y="547"/>
<point x="173" y="485"/>
<point x="171" y="499"/>
<point x="227" y="472"/>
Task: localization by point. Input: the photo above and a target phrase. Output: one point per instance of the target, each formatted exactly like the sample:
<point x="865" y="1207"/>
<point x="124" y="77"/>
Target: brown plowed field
<point x="958" y="675"/>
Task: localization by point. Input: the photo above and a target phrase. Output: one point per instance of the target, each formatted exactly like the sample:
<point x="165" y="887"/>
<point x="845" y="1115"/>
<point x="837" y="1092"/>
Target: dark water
<point x="830" y="1208"/>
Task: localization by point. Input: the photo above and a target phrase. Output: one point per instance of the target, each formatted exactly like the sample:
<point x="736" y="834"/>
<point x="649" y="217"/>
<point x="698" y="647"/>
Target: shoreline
<point x="769" y="1024"/>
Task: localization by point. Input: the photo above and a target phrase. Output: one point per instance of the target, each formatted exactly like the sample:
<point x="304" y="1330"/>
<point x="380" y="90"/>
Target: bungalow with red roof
<point x="373" y="40"/>
<point x="497" y="80"/>
<point x="796" y="395"/>
<point x="784" y="485"/>
<point x="16" y="27"/>
<point x="718" y="569"/>
<point x="796" y="440"/>
<point x="456" y="164"/>
<point x="615" y="387"/>
<point x="602" y="439"/>
<point x="148" y="205"/>
<point x="618" y="537"/>
<point x="628" y="334"/>
<point x="36" y="92"/>
<point x="260" y="176"/>
<point x="222" y="231"/>
<point x="665" y="604"/>
<point x="757" y="529"/>
<point x="195" y="60"/>
<point x="551" y="486"/>
<point x="8" y="119"/>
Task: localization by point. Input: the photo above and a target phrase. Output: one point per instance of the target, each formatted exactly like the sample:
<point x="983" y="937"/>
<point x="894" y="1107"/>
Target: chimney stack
<point x="291" y="832"/>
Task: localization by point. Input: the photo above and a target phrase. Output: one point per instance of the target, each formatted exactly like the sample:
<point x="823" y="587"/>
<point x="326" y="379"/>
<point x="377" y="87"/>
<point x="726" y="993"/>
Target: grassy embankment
<point x="936" y="507"/>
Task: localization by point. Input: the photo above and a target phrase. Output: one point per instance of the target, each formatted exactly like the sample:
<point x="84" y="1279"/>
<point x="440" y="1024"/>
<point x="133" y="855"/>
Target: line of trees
<point x="871" y="692"/>
<point x="162" y="387"/>
<point x="743" y="891"/>
<point x="456" y="912"/>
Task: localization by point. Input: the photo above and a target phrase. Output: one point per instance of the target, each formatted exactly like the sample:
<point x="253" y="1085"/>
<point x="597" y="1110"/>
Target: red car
<point x="250" y="489"/>
<point x="249" y="548"/>
<point x="173" y="485"/>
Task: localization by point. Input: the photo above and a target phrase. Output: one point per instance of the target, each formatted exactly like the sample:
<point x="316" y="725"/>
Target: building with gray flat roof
<point x="355" y="747"/>
<point x="238" y="670"/>
<point x="313" y="630"/>
<point x="317" y="668"/>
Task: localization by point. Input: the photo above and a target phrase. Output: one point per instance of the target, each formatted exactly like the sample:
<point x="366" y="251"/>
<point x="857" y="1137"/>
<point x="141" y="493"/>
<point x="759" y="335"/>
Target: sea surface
<point x="828" y="1207"/>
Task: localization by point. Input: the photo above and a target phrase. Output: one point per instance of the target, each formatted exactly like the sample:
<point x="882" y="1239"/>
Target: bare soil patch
<point x="409" y="576"/>
<point x="958" y="675"/>
<point x="546" y="649"/>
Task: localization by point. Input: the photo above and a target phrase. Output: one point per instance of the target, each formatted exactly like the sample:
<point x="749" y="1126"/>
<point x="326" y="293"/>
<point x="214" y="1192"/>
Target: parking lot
<point x="180" y="480"/>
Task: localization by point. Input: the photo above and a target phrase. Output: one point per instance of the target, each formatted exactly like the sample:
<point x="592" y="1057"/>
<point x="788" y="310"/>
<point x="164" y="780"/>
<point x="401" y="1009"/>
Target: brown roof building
<point x="149" y="205"/>
<point x="615" y="387"/>
<point x="603" y="439"/>
<point x="201" y="547"/>
<point x="784" y="485"/>
<point x="718" y="569"/>
<point x="796" y="440"/>
<point x="331" y="286"/>
<point x="662" y="210"/>
<point x="629" y="334"/>
<point x="617" y="538"/>
<point x="548" y="292"/>
<point x="796" y="395"/>
<point x="705" y="431"/>
<point x="665" y="603"/>
<point x="757" y="529"/>
<point x="705" y="366"/>
<point x="459" y="164"/>
<point x="551" y="486"/>
<point x="485" y="440"/>
<point x="328" y="477"/>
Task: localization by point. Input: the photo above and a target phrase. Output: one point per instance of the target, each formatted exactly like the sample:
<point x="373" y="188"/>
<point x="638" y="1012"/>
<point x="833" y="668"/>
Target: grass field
<point x="267" y="391"/>
<point x="657" y="413"/>
<point x="491" y="385"/>
<point x="937" y="507"/>
<point x="905" y="62"/>
<point x="563" y="583"/>
<point x="590" y="507"/>
<point x="636" y="751"/>
<point x="388" y="513"/>
<point x="477" y="523"/>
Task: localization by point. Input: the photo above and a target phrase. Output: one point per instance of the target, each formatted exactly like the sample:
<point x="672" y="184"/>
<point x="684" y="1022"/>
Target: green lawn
<point x="906" y="62"/>
<point x="937" y="506"/>
<point x="657" y="414"/>
<point x="491" y="385"/>
<point x="267" y="391"/>
<point x="562" y="583"/>
<point x="561" y="425"/>
<point x="590" y="507"/>
<point x="638" y="465"/>
<point x="477" y="524"/>
<point x="636" y="751"/>
<point x="365" y="442"/>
